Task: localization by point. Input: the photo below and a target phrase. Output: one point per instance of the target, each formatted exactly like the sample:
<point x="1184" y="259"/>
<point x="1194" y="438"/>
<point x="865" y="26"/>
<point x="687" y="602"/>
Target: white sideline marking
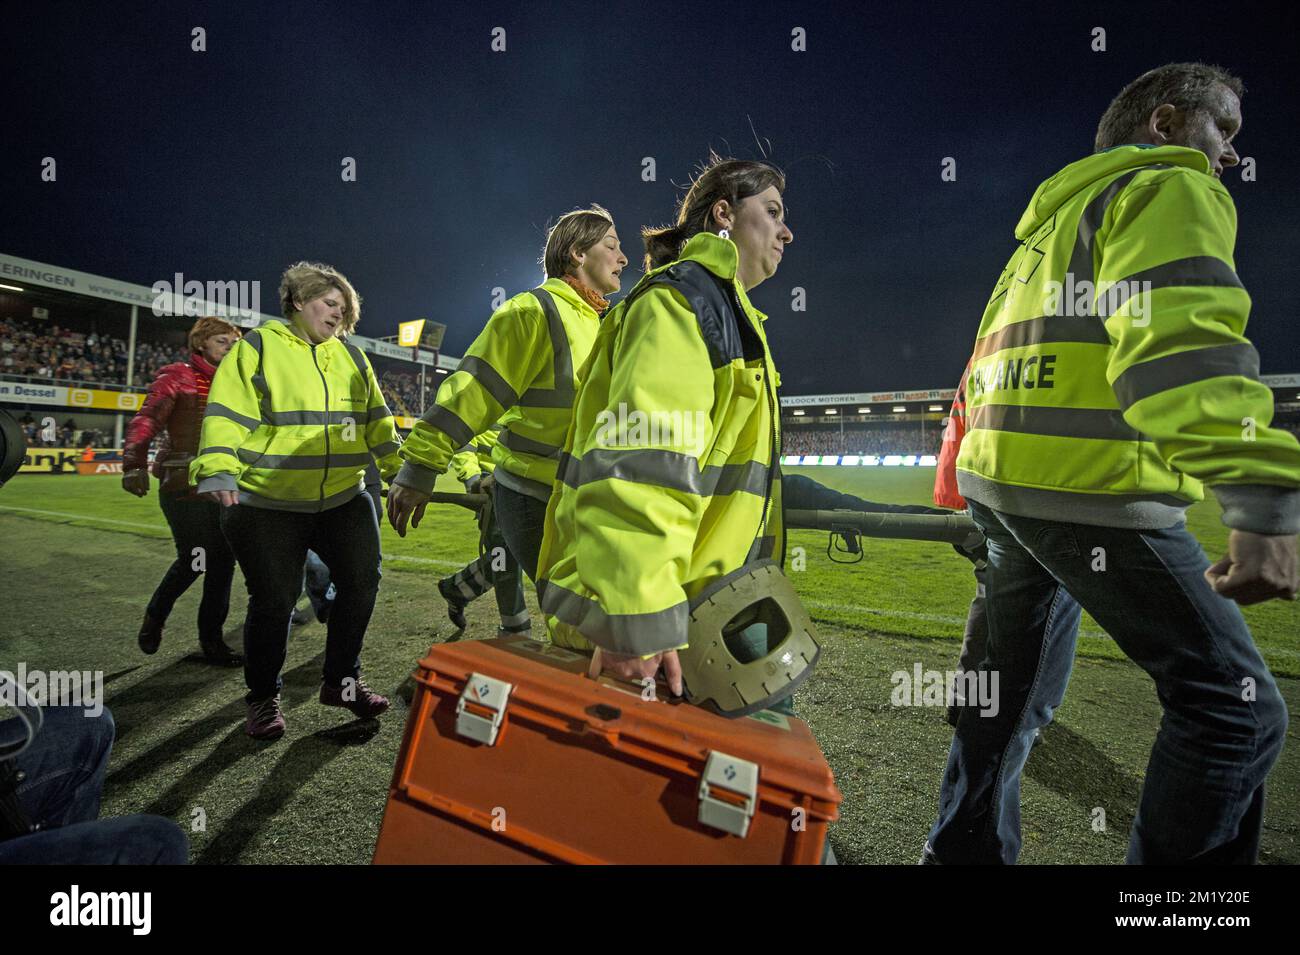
<point x="163" y="527"/>
<point x="822" y="604"/>
<point x="83" y="517"/>
<point x="426" y="560"/>
<point x="961" y="621"/>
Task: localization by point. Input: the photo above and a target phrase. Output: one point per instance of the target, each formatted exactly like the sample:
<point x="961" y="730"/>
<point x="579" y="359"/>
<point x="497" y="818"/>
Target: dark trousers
<point x="522" y="520"/>
<point x="974" y="643"/>
<point x="316" y="576"/>
<point x="495" y="569"/>
<point x="271" y="547"/>
<point x="196" y="531"/>
<point x="1224" y="719"/>
<point x="64" y="776"/>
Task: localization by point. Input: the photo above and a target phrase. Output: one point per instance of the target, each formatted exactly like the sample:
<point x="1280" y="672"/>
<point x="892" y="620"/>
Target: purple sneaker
<point x="265" y="721"/>
<point x="356" y="697"/>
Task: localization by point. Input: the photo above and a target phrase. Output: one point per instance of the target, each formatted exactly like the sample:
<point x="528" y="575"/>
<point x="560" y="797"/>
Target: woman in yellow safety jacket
<point x="294" y="417"/>
<point x="522" y="371"/>
<point x="670" y="478"/>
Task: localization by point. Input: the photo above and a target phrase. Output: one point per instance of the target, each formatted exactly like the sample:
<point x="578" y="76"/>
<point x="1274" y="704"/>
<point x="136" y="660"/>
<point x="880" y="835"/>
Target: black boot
<point x="150" y="635"/>
<point x="455" y="604"/>
<point x="216" y="651"/>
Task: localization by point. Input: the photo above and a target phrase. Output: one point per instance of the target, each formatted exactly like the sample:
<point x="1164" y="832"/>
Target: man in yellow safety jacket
<point x="1111" y="380"/>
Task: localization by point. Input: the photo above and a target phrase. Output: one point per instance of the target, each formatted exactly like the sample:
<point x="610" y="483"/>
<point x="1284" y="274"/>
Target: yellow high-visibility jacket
<point x="671" y="471"/>
<point x="474" y="462"/>
<point x="521" y="371"/>
<point x="1111" y="377"/>
<point x="291" y="425"/>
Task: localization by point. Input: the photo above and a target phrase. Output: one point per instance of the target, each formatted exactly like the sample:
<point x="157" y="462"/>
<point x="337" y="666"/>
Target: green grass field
<point x="79" y="558"/>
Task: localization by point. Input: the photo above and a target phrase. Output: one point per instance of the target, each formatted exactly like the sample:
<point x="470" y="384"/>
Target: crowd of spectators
<point x="66" y="435"/>
<point x="861" y="439"/>
<point x="402" y="392"/>
<point x="57" y="353"/>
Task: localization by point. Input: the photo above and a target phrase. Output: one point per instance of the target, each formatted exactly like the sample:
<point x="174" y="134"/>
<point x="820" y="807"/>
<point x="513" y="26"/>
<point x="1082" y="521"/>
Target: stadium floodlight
<point x="899" y="409"/>
<point x="799" y="413"/>
<point x="12" y="288"/>
<point x="936" y="407"/>
<point x="864" y="411"/>
<point x="831" y="411"/>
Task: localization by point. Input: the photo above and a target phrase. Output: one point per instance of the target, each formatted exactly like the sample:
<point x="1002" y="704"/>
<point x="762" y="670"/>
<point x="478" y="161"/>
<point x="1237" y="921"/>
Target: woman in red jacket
<point x="175" y="406"/>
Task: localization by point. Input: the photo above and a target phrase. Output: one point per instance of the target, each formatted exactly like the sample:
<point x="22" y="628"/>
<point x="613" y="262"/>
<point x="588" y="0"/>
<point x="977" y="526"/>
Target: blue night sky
<point x="225" y="165"/>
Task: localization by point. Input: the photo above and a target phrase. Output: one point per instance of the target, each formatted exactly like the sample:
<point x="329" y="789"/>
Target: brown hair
<point x="1188" y="86"/>
<point x="305" y="281"/>
<point x="209" y="326"/>
<point x="730" y="179"/>
<point x="575" y="231"/>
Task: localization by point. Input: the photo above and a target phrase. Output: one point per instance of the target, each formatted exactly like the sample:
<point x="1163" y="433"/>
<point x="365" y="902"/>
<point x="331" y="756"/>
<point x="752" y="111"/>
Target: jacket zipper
<point x="324" y="384"/>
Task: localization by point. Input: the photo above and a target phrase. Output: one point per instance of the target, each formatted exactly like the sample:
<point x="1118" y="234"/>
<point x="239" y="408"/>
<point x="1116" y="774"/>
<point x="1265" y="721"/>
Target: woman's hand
<point x="404" y="503"/>
<point x="136" y="482"/>
<point x="634" y="669"/>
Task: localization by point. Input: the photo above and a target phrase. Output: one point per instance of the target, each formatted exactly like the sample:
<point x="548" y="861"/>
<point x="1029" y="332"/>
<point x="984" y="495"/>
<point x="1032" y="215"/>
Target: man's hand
<point x="136" y="482"/>
<point x="224" y="498"/>
<point x="634" y="669"/>
<point x="485" y="486"/>
<point x="1258" y="567"/>
<point x="404" y="503"/>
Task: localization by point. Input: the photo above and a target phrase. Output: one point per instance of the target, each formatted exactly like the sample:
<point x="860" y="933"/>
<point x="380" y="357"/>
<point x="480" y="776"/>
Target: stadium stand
<point x="860" y="439"/>
<point x="63" y="354"/>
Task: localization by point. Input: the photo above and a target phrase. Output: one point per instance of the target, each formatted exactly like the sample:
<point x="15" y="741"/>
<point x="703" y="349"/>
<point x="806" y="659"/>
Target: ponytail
<point x="662" y="245"/>
<point x="730" y="179"/>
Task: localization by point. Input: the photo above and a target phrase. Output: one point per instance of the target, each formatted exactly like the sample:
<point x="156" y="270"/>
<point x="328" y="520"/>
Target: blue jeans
<point x="1224" y="719"/>
<point x="64" y="771"/>
<point x="522" y="521"/>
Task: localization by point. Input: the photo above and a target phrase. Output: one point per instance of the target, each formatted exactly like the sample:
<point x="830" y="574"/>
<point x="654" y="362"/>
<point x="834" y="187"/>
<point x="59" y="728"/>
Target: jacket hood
<point x="562" y="289"/>
<point x="324" y="350"/>
<point x="1053" y="193"/>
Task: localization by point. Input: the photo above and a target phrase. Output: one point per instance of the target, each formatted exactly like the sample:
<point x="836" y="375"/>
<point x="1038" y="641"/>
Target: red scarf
<point x="589" y="295"/>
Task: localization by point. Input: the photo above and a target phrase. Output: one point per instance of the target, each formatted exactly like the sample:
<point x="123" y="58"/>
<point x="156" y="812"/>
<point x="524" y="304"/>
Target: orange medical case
<point x="513" y="755"/>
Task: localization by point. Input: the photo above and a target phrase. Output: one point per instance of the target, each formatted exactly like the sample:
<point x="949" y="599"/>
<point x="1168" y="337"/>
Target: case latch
<point x="482" y="707"/>
<point x="728" y="793"/>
